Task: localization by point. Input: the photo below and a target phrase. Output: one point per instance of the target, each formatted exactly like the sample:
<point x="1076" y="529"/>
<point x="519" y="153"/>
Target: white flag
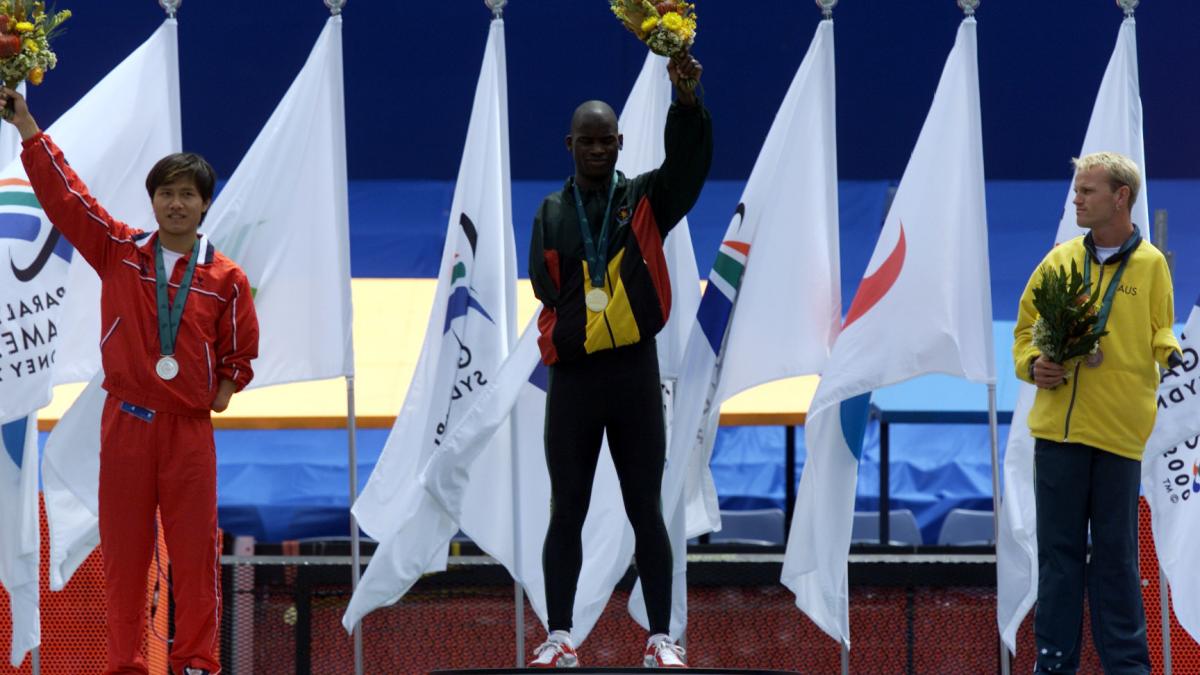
<point x="19" y="536"/>
<point x="466" y="474"/>
<point x="51" y="308"/>
<point x="1171" y="477"/>
<point x="18" y="501"/>
<point x="931" y="260"/>
<point x="772" y="306"/>
<point x="1116" y="125"/>
<point x="470" y="332"/>
<point x="283" y="217"/>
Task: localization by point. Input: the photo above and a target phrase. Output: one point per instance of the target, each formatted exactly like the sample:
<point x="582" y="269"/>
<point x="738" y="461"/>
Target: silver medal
<point x="167" y="367"/>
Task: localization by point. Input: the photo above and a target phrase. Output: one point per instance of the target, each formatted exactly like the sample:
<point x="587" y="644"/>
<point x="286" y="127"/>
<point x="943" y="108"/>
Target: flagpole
<point x="968" y="8"/>
<point x="1164" y="590"/>
<point x="335" y="10"/>
<point x="843" y="651"/>
<point x="497" y="7"/>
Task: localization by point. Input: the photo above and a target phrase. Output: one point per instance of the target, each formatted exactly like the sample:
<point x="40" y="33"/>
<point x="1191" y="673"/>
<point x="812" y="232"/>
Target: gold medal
<point x="596" y="300"/>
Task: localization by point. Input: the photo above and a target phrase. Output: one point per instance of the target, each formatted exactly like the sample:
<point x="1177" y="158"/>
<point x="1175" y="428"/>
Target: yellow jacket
<point x="1112" y="406"/>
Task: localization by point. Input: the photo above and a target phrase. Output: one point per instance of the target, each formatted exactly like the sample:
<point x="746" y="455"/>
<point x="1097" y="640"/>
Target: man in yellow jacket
<point x="1090" y="422"/>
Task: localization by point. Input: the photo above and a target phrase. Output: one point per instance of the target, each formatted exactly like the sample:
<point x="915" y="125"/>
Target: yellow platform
<point x="390" y="316"/>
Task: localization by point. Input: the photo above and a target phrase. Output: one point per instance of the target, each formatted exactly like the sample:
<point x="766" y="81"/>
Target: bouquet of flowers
<point x="1065" y="329"/>
<point x="25" y="33"/>
<point x="668" y="28"/>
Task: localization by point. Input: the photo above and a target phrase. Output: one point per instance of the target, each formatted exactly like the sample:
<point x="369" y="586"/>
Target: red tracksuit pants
<point x="148" y="462"/>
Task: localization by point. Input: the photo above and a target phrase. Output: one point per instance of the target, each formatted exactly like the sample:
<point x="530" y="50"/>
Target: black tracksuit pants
<point x="615" y="391"/>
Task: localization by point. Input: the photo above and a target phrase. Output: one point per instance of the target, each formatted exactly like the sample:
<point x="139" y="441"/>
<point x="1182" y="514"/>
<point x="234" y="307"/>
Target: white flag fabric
<point x="19" y="535"/>
<point x="141" y="99"/>
<point x="17" y="566"/>
<point x="283" y="217"/>
<point x="470" y="332"/>
<point x="51" y="307"/>
<point x="463" y="473"/>
<point x="931" y="260"/>
<point x="1116" y="125"/>
<point x="772" y="308"/>
<point x="1171" y="477"/>
<point x="782" y="238"/>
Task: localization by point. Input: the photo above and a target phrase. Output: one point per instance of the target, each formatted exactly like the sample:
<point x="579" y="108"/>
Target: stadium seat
<point x="902" y="528"/>
<point x="754" y="526"/>
<point x="967" y="527"/>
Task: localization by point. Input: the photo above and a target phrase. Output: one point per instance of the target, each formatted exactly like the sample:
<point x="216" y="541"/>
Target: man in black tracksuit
<point x="596" y="262"/>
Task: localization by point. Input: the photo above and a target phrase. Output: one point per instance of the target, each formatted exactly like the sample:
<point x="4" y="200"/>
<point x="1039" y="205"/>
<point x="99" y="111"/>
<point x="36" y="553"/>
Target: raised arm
<point x="675" y="186"/>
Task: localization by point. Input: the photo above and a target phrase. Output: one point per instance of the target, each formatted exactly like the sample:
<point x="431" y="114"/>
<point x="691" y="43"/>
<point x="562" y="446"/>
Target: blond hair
<point x="1120" y="169"/>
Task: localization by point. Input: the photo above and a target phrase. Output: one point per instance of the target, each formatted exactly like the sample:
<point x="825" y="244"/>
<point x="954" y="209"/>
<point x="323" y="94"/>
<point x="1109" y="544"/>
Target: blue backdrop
<point x="411" y="68"/>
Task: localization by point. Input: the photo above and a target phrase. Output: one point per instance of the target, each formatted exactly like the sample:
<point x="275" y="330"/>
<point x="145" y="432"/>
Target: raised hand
<point x="684" y="71"/>
<point x="17" y="113"/>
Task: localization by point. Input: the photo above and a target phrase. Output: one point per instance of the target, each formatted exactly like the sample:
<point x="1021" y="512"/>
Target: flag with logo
<point x="51" y="307"/>
<point x="470" y="332"/>
<point x="139" y="99"/>
<point x="931" y="259"/>
<point x="777" y="266"/>
<point x="1115" y="125"/>
<point x="1171" y="477"/>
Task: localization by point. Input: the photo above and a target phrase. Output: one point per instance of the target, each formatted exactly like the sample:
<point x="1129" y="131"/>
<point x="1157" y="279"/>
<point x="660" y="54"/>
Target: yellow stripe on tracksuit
<point x="615" y="326"/>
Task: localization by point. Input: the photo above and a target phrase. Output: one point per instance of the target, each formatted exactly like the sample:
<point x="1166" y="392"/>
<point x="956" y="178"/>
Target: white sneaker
<point x="662" y="652"/>
<point x="556" y="652"/>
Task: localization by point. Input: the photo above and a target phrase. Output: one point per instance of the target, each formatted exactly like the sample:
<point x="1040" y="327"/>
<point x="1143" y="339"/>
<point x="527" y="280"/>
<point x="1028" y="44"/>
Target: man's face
<point x="178" y="206"/>
<point x="1096" y="202"/>
<point x="595" y="143"/>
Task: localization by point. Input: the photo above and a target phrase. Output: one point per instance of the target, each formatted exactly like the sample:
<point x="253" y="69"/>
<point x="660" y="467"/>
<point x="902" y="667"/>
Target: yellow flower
<point x="649" y="24"/>
<point x="24" y="27"/>
<point x="36" y="75"/>
<point x="673" y="22"/>
<point x="31" y="46"/>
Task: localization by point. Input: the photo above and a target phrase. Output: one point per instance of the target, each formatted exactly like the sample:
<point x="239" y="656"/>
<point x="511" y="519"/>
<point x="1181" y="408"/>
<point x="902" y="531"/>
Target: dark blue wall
<point x="411" y="69"/>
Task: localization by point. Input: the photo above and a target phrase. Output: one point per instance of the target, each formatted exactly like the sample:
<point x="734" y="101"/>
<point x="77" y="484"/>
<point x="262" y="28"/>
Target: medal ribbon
<point x="170" y="314"/>
<point x="596" y="251"/>
<point x="1110" y="292"/>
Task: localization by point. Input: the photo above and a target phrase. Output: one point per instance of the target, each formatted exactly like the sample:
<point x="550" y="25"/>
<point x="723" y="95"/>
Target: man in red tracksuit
<point x="178" y="334"/>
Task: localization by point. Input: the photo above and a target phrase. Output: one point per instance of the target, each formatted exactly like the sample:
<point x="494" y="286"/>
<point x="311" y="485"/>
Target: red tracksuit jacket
<point x="218" y="335"/>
